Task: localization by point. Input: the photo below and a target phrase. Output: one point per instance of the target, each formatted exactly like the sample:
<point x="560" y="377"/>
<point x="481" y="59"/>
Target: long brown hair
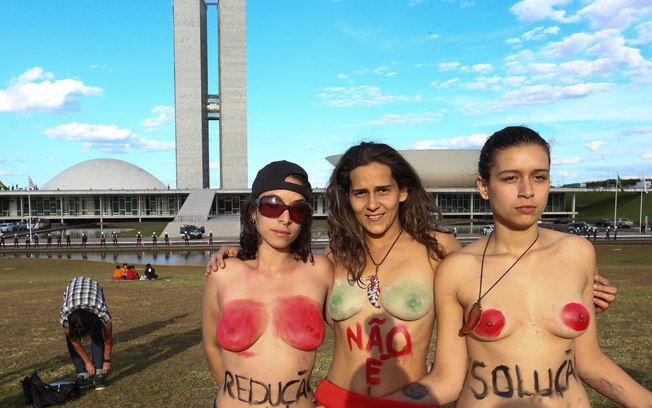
<point x="418" y="214"/>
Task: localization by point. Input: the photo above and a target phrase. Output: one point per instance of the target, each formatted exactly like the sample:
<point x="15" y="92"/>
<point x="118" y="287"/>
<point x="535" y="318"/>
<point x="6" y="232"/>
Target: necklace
<point x="475" y="314"/>
<point x="373" y="287"/>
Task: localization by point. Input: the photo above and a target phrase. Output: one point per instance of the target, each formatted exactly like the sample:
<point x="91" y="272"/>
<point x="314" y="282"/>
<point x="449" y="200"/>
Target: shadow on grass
<point x="136" y="358"/>
<point x="128" y="361"/>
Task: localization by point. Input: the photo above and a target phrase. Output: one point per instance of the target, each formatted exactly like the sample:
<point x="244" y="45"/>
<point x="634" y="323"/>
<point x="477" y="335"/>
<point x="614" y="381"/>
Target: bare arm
<point x="599" y="371"/>
<point x="79" y="348"/>
<point x="108" y="347"/>
<point x="210" y="314"/>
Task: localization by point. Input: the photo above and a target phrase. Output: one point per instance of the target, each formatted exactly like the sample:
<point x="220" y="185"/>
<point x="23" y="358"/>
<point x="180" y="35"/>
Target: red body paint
<point x="385" y="346"/>
<point x="242" y="322"/>
<point x="575" y="316"/>
<point x="491" y="323"/>
<point x="298" y="320"/>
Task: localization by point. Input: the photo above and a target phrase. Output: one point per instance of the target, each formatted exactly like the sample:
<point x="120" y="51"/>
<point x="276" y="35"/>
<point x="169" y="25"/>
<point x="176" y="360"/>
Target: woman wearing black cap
<point x="262" y="323"/>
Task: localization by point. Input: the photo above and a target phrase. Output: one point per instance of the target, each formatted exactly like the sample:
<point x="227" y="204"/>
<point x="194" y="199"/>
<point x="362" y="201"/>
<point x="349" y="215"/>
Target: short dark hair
<point x="510" y="136"/>
<point x="80" y="323"/>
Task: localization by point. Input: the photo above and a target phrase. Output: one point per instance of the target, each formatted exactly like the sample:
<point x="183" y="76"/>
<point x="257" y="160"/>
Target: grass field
<point x="158" y="358"/>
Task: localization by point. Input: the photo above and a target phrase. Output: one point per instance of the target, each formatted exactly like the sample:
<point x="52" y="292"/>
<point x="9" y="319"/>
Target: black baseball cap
<point x="273" y="175"/>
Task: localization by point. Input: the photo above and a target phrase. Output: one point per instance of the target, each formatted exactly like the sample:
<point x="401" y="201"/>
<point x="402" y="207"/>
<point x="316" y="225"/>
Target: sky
<point x="82" y="80"/>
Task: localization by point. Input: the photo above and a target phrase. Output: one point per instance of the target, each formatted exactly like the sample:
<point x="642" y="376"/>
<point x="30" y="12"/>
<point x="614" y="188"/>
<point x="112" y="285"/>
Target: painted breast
<point x="241" y="324"/>
<point x="299" y="322"/>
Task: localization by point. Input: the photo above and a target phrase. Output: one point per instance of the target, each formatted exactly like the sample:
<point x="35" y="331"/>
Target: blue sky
<point x="94" y="79"/>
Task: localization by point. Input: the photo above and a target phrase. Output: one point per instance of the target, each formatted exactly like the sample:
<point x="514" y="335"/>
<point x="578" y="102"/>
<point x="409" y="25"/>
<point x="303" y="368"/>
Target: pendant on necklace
<point x="472" y="319"/>
<point x="373" y="290"/>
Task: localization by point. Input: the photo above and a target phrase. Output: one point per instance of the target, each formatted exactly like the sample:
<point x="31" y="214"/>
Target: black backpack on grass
<point x="39" y="394"/>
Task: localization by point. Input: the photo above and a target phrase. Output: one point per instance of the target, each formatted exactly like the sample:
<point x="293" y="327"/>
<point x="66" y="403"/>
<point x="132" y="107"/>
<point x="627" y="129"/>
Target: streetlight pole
<point x="607" y="181"/>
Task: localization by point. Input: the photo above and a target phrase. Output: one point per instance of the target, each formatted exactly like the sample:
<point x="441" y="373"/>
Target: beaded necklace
<point x="373" y="287"/>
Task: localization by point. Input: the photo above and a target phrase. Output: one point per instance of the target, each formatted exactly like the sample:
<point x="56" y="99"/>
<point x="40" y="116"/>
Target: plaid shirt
<point x="84" y="293"/>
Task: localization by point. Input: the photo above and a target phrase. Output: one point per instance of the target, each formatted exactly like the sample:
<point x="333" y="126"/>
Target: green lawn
<point x="158" y="359"/>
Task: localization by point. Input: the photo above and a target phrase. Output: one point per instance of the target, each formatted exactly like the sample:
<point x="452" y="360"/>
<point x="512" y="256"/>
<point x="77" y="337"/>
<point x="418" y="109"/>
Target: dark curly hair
<point x="510" y="136"/>
<point x="250" y="239"/>
<point x="80" y="323"/>
<point x="418" y="214"/>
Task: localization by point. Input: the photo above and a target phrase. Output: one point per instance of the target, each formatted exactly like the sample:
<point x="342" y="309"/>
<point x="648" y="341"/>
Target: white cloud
<point x="545" y="94"/>
<point x="537" y="10"/>
<point x="461" y="142"/>
<point x="164" y="115"/>
<point x="514" y="81"/>
<point x="449" y="66"/>
<point x="566" y="174"/>
<point x="619" y="14"/>
<point x="342" y="76"/>
<point x="409" y="119"/>
<point x="643" y="34"/>
<point x="569" y="46"/>
<point x="105" y="138"/>
<point x="611" y="44"/>
<point x="571" y="160"/>
<point x="536" y="34"/>
<point x="595" y="145"/>
<point x="482" y="68"/>
<point x="34" y="92"/>
<point x="445" y="84"/>
<point x="637" y="130"/>
<point x="360" y="96"/>
<point x="647" y="156"/>
<point x="433" y="36"/>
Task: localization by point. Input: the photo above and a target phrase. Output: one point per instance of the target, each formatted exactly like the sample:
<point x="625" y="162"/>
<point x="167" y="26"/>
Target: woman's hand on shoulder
<point x="217" y="260"/>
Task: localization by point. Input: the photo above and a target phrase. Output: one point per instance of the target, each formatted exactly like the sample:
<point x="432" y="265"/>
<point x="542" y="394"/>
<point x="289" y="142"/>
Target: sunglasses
<point x="272" y="206"/>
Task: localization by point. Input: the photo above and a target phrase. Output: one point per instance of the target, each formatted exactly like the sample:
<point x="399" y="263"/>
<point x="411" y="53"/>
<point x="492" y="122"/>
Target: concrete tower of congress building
<point x="195" y="106"/>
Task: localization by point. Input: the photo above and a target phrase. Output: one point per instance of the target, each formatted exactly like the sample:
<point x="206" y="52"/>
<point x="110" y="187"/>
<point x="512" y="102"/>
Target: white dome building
<point x="104" y="174"/>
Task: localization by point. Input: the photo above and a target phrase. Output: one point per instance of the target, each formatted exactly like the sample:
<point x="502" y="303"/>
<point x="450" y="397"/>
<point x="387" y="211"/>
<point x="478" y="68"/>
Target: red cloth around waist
<point x="332" y="396"/>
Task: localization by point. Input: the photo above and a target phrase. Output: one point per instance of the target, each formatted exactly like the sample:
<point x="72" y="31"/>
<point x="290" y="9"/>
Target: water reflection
<point x="167" y="258"/>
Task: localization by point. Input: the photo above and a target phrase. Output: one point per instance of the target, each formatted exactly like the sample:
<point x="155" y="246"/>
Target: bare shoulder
<point x="233" y="267"/>
<point x="323" y="265"/>
<point x="563" y="242"/>
<point x="447" y="241"/>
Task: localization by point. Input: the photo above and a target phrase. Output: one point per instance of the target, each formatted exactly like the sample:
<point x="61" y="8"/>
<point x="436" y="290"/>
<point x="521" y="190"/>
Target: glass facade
<point x="460" y="204"/>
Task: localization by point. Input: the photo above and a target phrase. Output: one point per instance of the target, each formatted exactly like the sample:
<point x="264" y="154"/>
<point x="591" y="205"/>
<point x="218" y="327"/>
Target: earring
<point x="253" y="221"/>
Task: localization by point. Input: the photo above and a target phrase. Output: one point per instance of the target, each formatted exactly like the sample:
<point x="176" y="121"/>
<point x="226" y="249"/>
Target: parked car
<point x="487" y="229"/>
<point x="580" y="228"/>
<point x="7" y="227"/>
<point x="40" y="224"/>
<point x="604" y="223"/>
<point x="194" y="231"/>
<point x="624" y="223"/>
<point x="561" y="220"/>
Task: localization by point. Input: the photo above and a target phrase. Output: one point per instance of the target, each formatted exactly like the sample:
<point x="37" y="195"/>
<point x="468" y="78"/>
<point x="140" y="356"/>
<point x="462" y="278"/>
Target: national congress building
<point x="103" y="190"/>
